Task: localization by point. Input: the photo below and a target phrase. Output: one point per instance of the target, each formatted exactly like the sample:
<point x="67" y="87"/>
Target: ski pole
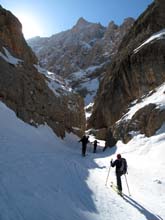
<point x="108" y="174"/>
<point x="127" y="185"/>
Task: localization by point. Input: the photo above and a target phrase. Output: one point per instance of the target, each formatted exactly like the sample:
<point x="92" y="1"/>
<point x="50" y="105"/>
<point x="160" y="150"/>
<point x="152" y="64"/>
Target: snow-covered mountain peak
<point x="82" y="22"/>
<point x="85" y="26"/>
<point x="127" y="20"/>
<point x="112" y="25"/>
<point x="84" y="46"/>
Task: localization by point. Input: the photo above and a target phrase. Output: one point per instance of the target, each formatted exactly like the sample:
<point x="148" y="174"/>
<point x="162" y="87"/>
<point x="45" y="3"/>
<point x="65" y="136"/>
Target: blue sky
<point x="47" y="17"/>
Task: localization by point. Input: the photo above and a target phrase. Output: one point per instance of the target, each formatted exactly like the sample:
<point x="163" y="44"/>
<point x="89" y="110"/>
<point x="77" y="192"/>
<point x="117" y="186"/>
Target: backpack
<point x="123" y="168"/>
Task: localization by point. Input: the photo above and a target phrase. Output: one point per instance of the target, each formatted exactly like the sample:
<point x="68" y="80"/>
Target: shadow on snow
<point x="141" y="209"/>
<point x="79" y="168"/>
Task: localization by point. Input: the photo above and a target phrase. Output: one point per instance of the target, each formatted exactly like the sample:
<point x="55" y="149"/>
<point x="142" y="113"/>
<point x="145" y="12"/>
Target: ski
<point x="114" y="187"/>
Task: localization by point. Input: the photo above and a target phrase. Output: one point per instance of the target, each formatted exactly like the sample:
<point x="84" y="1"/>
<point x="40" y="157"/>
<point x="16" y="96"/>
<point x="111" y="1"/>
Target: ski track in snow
<point x="45" y="178"/>
<point x="112" y="206"/>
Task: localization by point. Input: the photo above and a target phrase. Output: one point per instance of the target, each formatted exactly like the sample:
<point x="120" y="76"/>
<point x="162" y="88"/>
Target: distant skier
<point x="84" y="141"/>
<point x="121" y="168"/>
<point x="95" y="146"/>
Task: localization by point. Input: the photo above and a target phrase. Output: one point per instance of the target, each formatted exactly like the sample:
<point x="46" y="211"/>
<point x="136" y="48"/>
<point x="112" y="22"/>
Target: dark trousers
<point x="119" y="184"/>
<point x="84" y="147"/>
<point x="94" y="148"/>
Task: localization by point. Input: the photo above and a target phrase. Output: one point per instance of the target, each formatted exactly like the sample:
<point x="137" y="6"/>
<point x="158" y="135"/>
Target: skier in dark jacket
<point x="95" y="145"/>
<point x="120" y="170"/>
<point x="84" y="141"/>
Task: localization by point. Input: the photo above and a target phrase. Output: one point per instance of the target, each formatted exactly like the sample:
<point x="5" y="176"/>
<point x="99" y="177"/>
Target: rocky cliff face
<point x="11" y="36"/>
<point x="35" y="96"/>
<point x="86" y="44"/>
<point x="81" y="54"/>
<point x="138" y="68"/>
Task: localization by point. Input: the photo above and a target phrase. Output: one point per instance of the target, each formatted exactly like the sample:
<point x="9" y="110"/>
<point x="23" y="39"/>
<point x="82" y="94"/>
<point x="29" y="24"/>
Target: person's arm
<point x="113" y="164"/>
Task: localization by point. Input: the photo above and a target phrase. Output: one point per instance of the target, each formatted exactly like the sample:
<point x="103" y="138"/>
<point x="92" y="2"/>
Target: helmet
<point x="118" y="156"/>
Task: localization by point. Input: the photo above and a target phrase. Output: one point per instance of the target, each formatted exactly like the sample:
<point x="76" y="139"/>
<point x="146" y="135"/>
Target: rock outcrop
<point x="31" y="94"/>
<point x="138" y="68"/>
<point x="11" y="36"/>
<point x="146" y="121"/>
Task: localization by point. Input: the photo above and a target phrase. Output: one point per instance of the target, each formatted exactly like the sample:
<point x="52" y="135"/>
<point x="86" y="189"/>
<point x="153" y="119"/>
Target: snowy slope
<point x="155" y="97"/>
<point x="55" y="83"/>
<point x="155" y="37"/>
<point x="86" y="80"/>
<point x="45" y="178"/>
<point x="9" y="58"/>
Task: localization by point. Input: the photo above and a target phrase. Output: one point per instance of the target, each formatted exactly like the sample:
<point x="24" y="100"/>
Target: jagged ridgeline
<point x="86" y="44"/>
<point x="80" y="55"/>
<point x="139" y="67"/>
<point x="34" y="95"/>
